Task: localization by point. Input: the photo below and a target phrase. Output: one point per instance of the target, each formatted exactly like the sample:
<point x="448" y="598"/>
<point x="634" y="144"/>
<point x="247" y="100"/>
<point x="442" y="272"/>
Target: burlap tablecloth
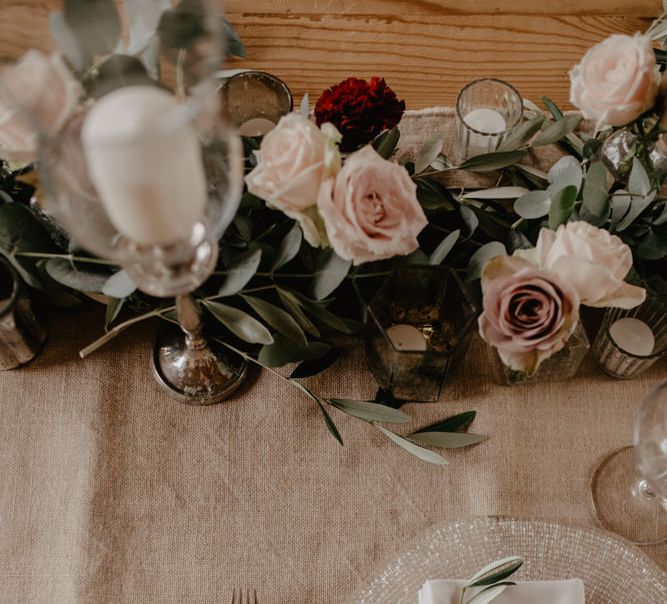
<point x="111" y="492"/>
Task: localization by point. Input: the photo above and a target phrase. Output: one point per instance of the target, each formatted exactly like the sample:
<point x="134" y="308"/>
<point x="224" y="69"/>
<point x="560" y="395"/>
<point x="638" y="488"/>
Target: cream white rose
<point x="590" y="260"/>
<point x="293" y="161"/>
<point x="370" y="209"/>
<point x="616" y="81"/>
<point x="39" y="93"/>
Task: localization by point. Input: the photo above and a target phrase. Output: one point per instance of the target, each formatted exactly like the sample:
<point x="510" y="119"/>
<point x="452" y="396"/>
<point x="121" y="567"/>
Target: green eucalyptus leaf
<point x="522" y="134"/>
<point x="240" y="271"/>
<point x="304" y="108"/>
<point x="639" y="182"/>
<point x="119" y="285"/>
<point x="532" y="171"/>
<point x="370" y="411"/>
<point x="324" y="315"/>
<point x="289" y="247"/>
<point x="233" y="44"/>
<point x="433" y="195"/>
<point x="621" y="201"/>
<point x="534" y="204"/>
<point x="95" y="24"/>
<point x="284" y="350"/>
<point x="562" y="206"/>
<point x="638" y="205"/>
<point x="496" y="193"/>
<point x="243" y="225"/>
<point x="595" y="206"/>
<point x="416" y="450"/>
<point x="114" y="306"/>
<point x="29" y="273"/>
<point x="278" y="319"/>
<point x="292" y="304"/>
<point x="331" y="426"/>
<point x="552" y="107"/>
<point x="65" y="273"/>
<point x="447" y="440"/>
<point x="327" y="279"/>
<point x="492" y="161"/>
<point x="428" y="153"/>
<point x="455" y="423"/>
<point x="240" y="323"/>
<point x="498" y="570"/>
<point x="385" y="144"/>
<point x="312" y="367"/>
<point x="558" y="129"/>
<point x="446" y="246"/>
<point x="482" y="256"/>
<point x="470" y="220"/>
<point x="564" y="173"/>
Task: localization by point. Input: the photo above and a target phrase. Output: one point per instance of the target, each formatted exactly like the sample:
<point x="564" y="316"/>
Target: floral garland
<point x="315" y="229"/>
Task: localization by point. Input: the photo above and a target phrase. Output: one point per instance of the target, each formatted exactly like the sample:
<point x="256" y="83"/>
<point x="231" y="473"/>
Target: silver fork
<point x="244" y="596"/>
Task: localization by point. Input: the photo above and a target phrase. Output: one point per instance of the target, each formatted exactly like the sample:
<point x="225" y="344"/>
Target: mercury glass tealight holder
<point x="254" y="102"/>
<point x="419" y="326"/>
<point x="630" y="341"/>
<point x="487" y="110"/>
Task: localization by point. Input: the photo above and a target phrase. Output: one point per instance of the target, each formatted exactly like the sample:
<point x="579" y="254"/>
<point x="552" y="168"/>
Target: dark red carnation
<point x="360" y="110"/>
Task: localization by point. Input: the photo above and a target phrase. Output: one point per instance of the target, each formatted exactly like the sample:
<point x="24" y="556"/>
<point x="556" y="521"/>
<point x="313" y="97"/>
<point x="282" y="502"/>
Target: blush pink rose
<point x="293" y="161"/>
<point x="593" y="261"/>
<point x="37" y="94"/>
<point x="616" y="81"/>
<point x="370" y="209"/>
<point x="529" y="313"/>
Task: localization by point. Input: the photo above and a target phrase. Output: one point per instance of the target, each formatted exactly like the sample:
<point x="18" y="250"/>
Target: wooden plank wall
<point x="427" y="49"/>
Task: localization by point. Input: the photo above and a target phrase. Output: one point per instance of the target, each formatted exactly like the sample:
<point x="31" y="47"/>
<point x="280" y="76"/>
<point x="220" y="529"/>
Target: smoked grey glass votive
<point x="22" y="336"/>
<point x="487" y="110"/>
<point x="630" y="341"/>
<point x="419" y="326"/>
<point x="254" y="102"/>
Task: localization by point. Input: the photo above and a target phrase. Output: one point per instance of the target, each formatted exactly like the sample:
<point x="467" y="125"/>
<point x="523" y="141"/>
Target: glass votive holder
<point x="630" y="341"/>
<point x="419" y="325"/>
<point x="486" y="111"/>
<point x="22" y="336"/>
<point x="254" y="102"/>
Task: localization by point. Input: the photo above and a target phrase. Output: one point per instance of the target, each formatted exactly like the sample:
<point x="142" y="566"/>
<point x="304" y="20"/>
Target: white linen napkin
<point x="524" y="592"/>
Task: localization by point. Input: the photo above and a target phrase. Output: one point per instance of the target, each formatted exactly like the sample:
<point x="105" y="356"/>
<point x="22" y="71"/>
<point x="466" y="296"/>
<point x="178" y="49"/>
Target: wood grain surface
<point x="426" y="49"/>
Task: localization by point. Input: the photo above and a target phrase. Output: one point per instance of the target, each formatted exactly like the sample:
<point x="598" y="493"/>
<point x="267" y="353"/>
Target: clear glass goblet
<point x="630" y="486"/>
<point x="163" y="232"/>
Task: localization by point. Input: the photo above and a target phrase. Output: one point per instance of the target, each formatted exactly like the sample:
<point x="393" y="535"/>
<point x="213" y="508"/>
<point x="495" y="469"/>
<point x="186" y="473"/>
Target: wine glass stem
<point x="643" y="488"/>
<point x="189" y="318"/>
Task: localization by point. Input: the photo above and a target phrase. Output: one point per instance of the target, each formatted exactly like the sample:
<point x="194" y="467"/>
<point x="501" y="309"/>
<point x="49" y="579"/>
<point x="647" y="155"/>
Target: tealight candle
<point x="406" y="337"/>
<point x="487" y="121"/>
<point x="256" y="126"/>
<point x="633" y="336"/>
<point x="145" y="161"/>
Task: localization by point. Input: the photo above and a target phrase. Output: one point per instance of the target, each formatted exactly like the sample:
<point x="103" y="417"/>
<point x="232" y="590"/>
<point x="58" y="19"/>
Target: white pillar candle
<point x="633" y="336"/>
<point x="406" y="337"/>
<point x="488" y="121"/>
<point x="256" y="126"/>
<point x="145" y="161"/>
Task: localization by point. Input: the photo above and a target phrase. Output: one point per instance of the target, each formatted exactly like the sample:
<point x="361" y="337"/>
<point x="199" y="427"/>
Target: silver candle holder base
<point x="192" y="369"/>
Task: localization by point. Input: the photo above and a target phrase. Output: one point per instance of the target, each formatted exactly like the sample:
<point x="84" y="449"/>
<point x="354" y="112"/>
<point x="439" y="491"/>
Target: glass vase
<point x="561" y="366"/>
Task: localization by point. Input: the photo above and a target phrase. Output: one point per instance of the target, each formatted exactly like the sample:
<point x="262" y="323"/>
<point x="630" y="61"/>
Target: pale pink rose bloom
<point x="37" y="95"/>
<point x="293" y="161"/>
<point x="616" y="81"/>
<point x="529" y="313"/>
<point x="370" y="209"/>
<point x="593" y="261"/>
